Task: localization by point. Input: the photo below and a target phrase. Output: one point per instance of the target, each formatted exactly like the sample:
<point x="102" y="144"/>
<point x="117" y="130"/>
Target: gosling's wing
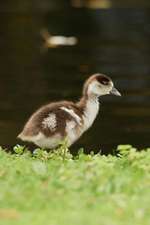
<point x="51" y="119"/>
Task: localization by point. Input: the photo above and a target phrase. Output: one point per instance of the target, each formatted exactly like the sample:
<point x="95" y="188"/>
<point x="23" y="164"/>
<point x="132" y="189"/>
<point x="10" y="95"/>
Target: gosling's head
<point x="98" y="85"/>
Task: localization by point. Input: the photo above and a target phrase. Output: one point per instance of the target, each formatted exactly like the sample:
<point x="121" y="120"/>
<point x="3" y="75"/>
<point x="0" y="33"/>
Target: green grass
<point x="55" y="189"/>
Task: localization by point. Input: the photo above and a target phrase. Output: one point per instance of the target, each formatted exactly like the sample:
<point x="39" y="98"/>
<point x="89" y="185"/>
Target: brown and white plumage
<point x="54" y="122"/>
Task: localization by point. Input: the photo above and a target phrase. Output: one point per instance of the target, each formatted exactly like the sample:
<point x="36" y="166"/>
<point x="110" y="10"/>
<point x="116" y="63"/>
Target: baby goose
<point x="56" y="121"/>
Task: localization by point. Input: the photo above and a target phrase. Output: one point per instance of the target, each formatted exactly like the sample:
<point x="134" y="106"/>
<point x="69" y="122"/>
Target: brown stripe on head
<point x="103" y="79"/>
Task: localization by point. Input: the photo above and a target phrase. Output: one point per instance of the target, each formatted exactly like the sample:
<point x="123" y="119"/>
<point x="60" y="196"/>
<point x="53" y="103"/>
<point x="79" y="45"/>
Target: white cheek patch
<point x="73" y="114"/>
<point x="50" y="122"/>
<point x="93" y="88"/>
<point x="99" y="89"/>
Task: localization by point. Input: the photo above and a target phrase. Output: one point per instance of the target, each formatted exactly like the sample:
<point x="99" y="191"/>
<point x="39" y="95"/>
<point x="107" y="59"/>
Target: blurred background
<point x="111" y="37"/>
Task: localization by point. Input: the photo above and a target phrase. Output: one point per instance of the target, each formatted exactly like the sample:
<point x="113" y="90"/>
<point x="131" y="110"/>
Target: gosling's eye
<point x="104" y="82"/>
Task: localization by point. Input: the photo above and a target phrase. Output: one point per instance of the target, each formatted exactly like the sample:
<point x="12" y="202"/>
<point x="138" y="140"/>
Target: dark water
<point x="114" y="42"/>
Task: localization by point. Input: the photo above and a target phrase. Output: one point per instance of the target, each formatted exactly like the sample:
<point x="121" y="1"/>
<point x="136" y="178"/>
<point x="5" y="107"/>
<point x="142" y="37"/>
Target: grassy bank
<point x="54" y="189"/>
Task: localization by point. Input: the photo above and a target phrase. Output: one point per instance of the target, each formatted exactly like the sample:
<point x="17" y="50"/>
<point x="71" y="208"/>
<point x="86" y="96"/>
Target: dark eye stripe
<point x="103" y="80"/>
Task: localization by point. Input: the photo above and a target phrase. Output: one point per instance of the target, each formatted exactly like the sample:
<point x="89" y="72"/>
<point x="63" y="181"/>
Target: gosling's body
<point x="54" y="122"/>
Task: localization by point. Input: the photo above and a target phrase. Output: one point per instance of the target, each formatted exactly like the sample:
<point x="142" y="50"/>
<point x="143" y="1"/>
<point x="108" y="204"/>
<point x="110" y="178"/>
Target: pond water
<point x="114" y="42"/>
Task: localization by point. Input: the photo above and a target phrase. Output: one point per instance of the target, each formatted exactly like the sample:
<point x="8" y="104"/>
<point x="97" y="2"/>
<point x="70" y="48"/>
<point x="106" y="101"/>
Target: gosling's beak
<point x="114" y="91"/>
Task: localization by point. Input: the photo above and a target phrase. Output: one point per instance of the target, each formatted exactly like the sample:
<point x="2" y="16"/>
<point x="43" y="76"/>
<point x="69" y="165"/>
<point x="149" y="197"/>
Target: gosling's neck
<point x="90" y="107"/>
